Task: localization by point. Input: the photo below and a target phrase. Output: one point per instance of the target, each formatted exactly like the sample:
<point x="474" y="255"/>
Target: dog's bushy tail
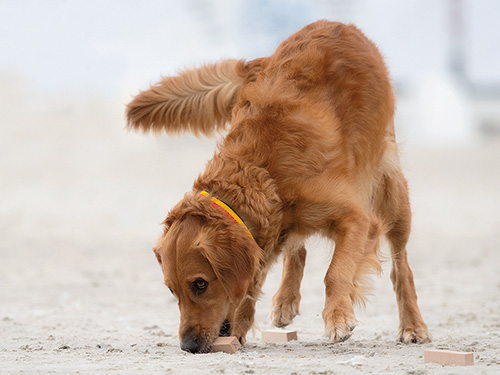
<point x="197" y="100"/>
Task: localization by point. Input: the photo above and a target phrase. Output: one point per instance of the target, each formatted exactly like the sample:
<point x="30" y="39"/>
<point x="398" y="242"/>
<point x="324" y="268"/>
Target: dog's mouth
<point x="225" y="329"/>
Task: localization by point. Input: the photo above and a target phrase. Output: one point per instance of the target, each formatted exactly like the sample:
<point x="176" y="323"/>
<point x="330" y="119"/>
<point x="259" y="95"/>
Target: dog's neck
<point x="250" y="192"/>
<point x="230" y="213"/>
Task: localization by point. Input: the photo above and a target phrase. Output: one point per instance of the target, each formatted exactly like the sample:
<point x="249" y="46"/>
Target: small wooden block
<point x="278" y="335"/>
<point x="226" y="344"/>
<point x="448" y="357"/>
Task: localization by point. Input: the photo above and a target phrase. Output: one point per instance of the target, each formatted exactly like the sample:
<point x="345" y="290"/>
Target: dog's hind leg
<point x="286" y="301"/>
<point x="369" y="265"/>
<point x="412" y="328"/>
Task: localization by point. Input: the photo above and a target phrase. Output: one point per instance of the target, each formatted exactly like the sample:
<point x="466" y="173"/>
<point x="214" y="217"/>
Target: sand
<point x="81" y="201"/>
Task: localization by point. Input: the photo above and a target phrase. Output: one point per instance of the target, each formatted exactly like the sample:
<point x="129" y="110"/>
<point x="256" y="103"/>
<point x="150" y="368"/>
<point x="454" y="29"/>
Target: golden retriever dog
<point x="310" y="149"/>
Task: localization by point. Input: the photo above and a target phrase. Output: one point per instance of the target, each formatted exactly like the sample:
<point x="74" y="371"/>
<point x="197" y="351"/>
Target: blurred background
<point x="82" y="199"/>
<point x="443" y="55"/>
<point x="72" y="175"/>
<point x="68" y="68"/>
<point x="70" y="170"/>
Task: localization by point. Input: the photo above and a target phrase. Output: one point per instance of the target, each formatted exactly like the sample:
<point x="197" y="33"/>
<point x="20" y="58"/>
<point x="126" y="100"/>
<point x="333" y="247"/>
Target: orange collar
<point x="233" y="216"/>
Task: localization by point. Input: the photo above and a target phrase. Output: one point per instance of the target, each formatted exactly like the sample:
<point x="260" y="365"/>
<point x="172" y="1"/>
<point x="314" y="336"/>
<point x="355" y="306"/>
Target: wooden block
<point x="278" y="335"/>
<point x="226" y="344"/>
<point x="448" y="357"/>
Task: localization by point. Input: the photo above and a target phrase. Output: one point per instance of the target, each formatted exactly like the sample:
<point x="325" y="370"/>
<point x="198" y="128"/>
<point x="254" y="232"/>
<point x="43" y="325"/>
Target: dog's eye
<point x="199" y="286"/>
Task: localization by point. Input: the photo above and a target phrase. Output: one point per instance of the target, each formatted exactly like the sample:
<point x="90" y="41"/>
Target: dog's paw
<point x="414" y="335"/>
<point x="240" y="334"/>
<point x="242" y="340"/>
<point x="339" y="324"/>
<point x="284" y="310"/>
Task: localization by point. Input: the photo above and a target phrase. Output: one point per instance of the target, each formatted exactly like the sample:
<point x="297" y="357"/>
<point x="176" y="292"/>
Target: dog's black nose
<point x="190" y="345"/>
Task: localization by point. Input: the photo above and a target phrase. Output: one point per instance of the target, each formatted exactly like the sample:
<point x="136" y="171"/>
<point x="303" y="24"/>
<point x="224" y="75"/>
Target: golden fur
<point x="311" y="149"/>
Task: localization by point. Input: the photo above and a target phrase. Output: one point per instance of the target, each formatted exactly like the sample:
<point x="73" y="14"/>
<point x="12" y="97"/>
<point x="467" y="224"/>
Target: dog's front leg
<point x="351" y="235"/>
<point x="245" y="313"/>
<point x="243" y="319"/>
<point x="286" y="301"/>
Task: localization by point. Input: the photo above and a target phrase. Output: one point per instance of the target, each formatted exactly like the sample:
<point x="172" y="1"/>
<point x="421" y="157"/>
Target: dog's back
<point x="329" y="73"/>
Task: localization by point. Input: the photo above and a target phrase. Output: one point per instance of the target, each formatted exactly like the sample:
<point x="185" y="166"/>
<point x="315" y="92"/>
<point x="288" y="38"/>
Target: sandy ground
<point x="80" y="291"/>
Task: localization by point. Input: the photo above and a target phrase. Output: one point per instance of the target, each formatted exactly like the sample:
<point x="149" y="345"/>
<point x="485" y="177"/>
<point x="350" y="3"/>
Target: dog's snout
<point x="191" y="345"/>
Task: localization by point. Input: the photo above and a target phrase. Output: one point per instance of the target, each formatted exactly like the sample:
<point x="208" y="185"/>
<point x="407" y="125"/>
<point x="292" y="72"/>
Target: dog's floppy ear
<point x="234" y="259"/>
<point x="167" y="223"/>
<point x="156" y="251"/>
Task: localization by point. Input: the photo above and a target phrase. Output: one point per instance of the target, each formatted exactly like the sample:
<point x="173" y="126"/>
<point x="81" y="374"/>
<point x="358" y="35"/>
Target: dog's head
<point x="208" y="263"/>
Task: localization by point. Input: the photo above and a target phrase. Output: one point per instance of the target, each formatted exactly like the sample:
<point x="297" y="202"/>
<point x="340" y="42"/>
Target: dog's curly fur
<point x="311" y="149"/>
